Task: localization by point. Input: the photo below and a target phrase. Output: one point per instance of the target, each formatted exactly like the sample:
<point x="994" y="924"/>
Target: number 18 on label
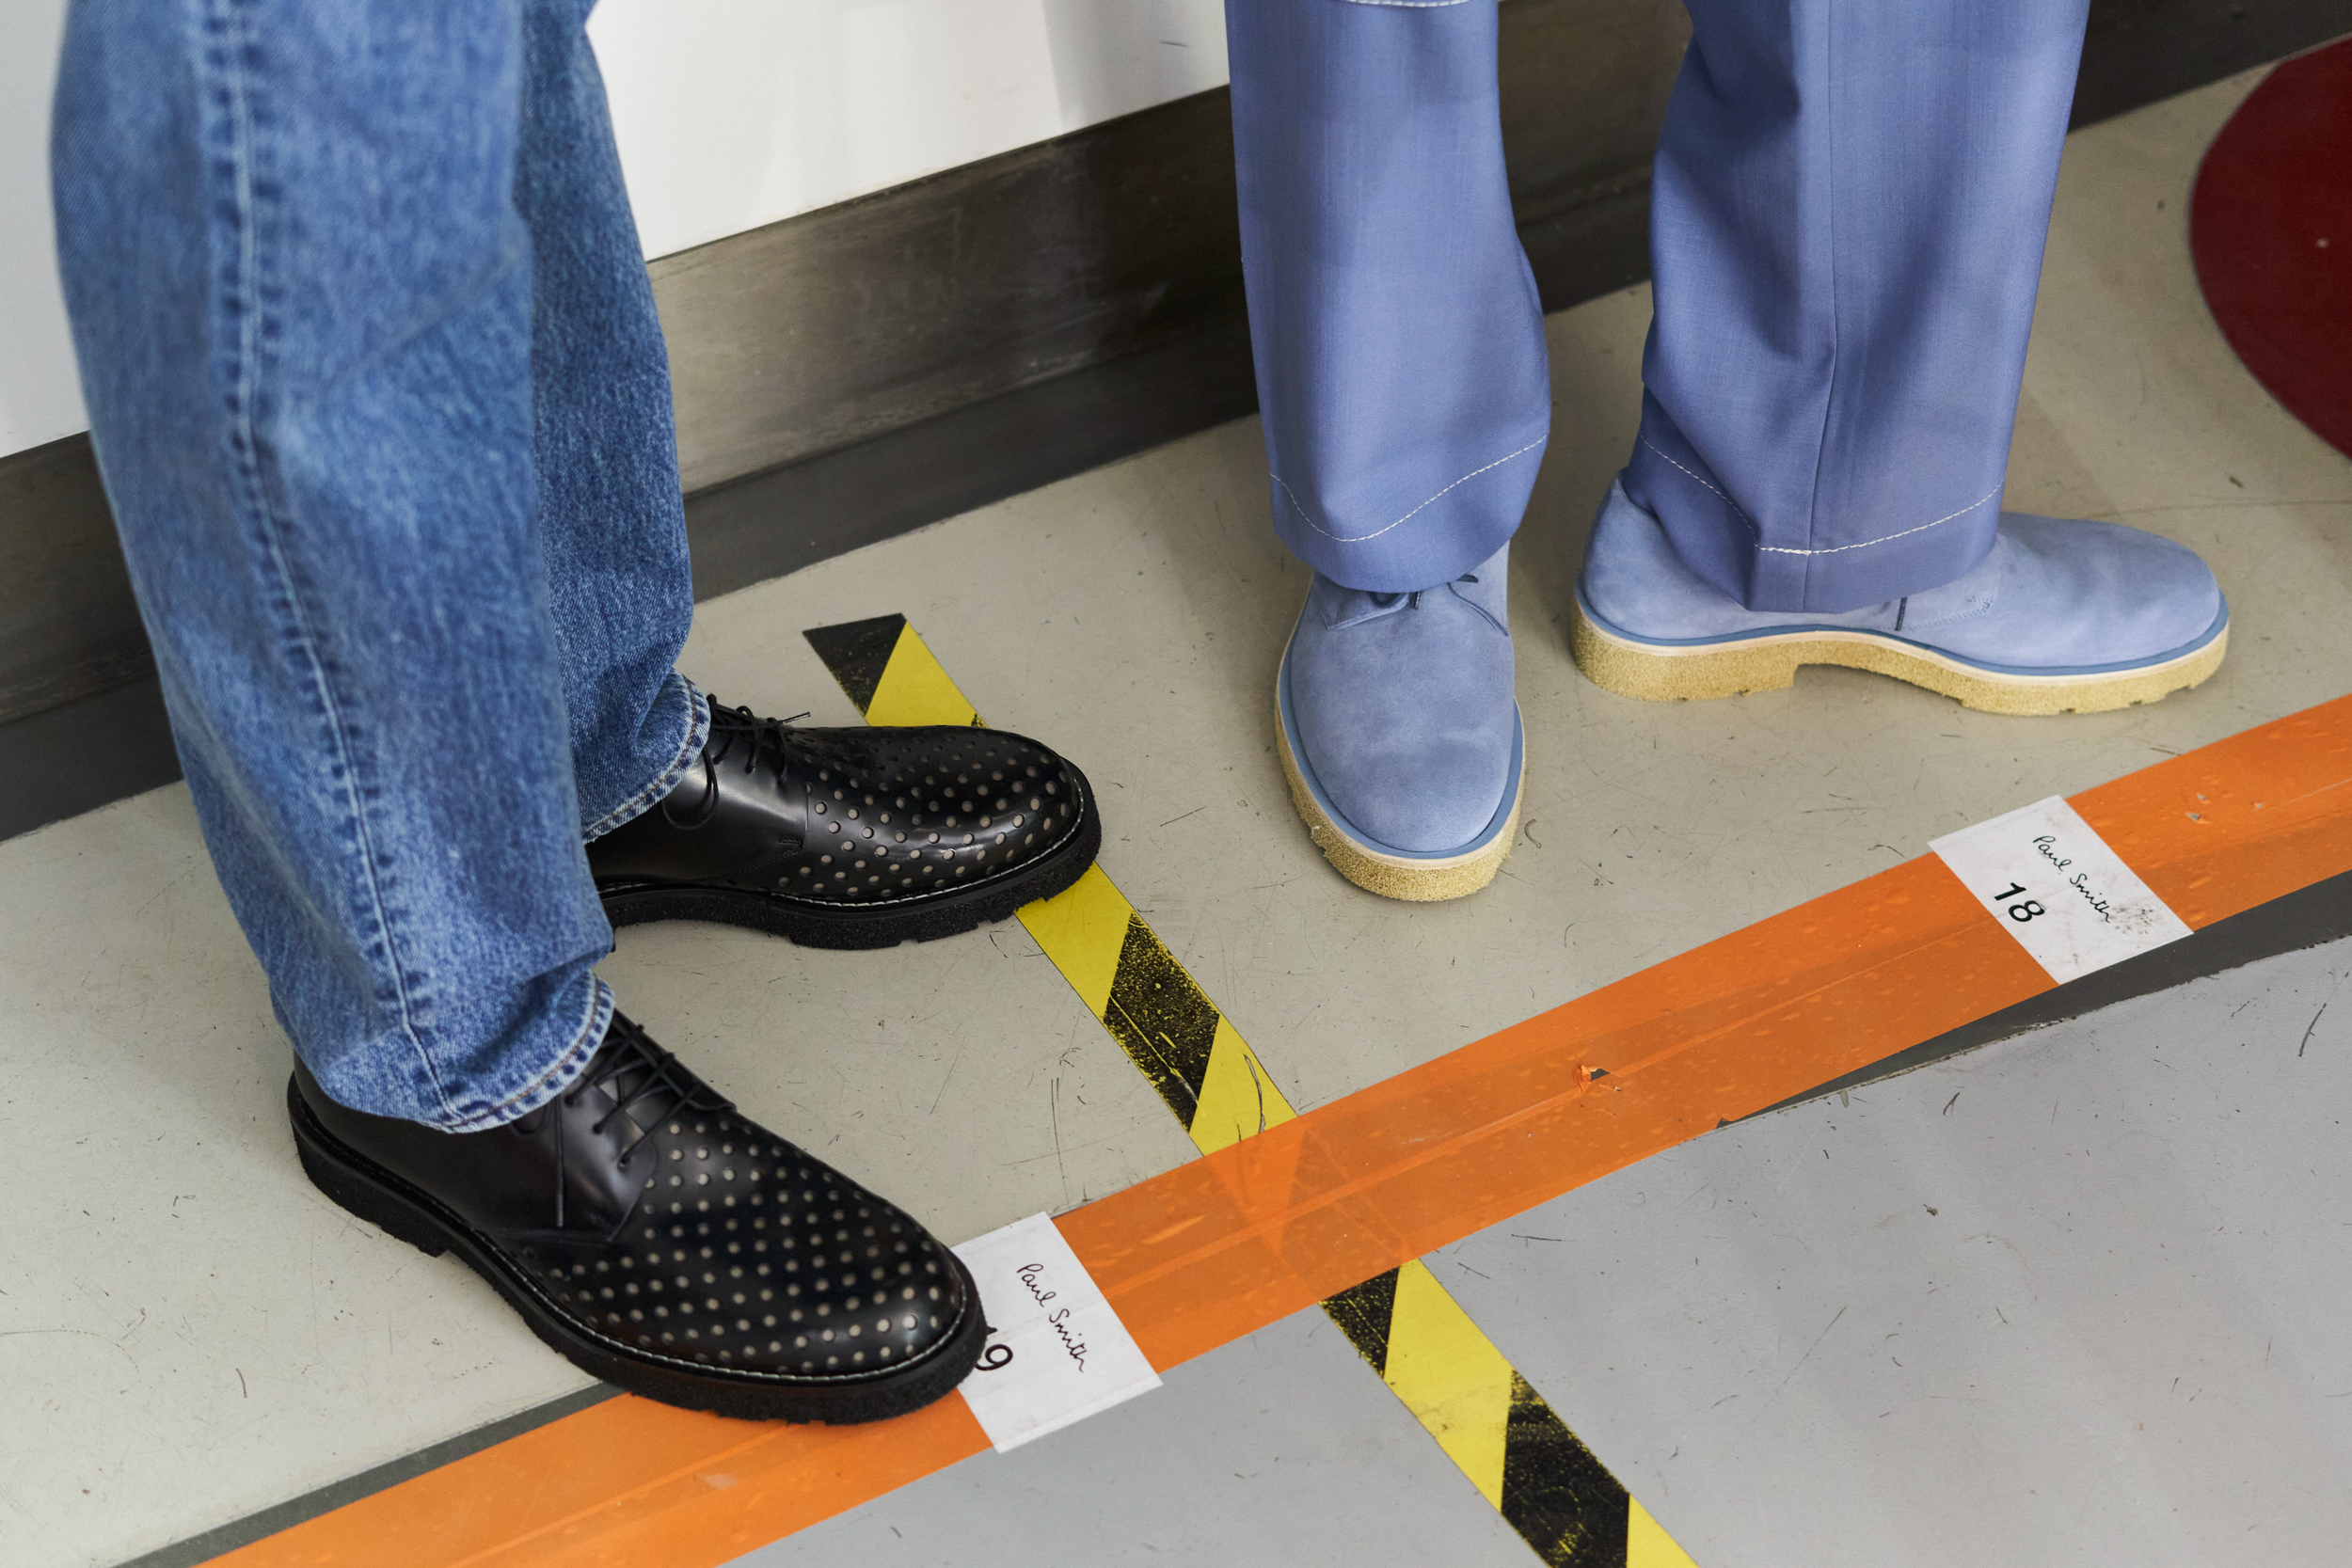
<point x="2057" y="888"/>
<point x="2024" y="909"/>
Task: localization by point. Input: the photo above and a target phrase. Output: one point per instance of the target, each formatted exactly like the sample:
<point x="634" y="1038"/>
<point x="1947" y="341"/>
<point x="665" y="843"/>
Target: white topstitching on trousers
<point x="1308" y="518"/>
<point x="1834" y="549"/>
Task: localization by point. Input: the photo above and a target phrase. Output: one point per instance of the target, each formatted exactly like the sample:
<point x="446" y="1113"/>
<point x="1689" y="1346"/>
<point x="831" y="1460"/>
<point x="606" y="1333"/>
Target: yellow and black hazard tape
<point x="884" y="669"/>
<point x="1490" y="1420"/>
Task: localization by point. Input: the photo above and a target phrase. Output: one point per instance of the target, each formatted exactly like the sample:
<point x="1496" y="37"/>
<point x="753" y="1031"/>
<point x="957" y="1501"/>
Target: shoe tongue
<point x="1481" y="588"/>
<point x="1353" y="606"/>
<point x="1348" y="607"/>
<point x="625" y="1071"/>
<point x="743" y="737"/>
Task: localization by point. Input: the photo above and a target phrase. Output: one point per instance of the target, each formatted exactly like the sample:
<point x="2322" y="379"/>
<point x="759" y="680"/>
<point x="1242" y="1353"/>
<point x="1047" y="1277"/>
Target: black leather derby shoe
<point x="862" y="837"/>
<point x="664" y="1242"/>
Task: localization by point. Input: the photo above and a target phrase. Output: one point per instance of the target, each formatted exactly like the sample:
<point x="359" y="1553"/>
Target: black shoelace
<point x="761" y="739"/>
<point x="647" y="1082"/>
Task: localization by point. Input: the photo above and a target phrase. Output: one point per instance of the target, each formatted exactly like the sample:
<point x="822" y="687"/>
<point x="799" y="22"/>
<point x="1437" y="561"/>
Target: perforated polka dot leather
<point x="902" y="813"/>
<point x="743" y="1251"/>
<point x="663" y="1240"/>
<point x="854" y="836"/>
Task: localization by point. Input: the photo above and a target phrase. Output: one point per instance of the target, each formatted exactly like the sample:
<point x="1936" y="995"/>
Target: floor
<point x="1952" y="1335"/>
<point x="2053" y="1302"/>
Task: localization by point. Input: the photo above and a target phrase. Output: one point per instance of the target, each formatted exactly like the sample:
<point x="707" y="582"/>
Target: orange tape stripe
<point x="628" y="1483"/>
<point x="1416" y="1163"/>
<point x="1796" y="999"/>
<point x="1714" y="1034"/>
<point x="2219" y="829"/>
<point x="1223" y="1245"/>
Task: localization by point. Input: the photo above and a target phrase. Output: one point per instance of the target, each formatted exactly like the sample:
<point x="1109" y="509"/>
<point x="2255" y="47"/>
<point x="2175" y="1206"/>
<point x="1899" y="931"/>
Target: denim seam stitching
<point x="565" y="1069"/>
<point x="1358" y="539"/>
<point x="1834" y="549"/>
<point x="697" y="732"/>
<point x="1410" y="5"/>
<point x="250" y="464"/>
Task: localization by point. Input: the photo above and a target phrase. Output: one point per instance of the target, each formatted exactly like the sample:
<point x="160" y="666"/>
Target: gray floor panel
<point x="2075" y="1298"/>
<point x="1279" y="1451"/>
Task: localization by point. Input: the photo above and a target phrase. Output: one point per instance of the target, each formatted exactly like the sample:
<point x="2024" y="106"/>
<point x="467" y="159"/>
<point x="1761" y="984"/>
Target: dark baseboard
<point x="983" y="452"/>
<point x="107" y="746"/>
<point x="69" y="627"/>
<point x="2139" y="50"/>
<point x="857" y="372"/>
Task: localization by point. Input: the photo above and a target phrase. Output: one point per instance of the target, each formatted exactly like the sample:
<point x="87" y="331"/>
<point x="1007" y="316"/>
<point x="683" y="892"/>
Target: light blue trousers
<point x="1848" y="215"/>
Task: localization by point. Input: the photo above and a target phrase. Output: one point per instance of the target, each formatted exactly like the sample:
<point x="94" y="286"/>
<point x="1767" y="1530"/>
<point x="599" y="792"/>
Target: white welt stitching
<point x="1308" y="518"/>
<point x="1834" y="549"/>
<point x="1411" y="4"/>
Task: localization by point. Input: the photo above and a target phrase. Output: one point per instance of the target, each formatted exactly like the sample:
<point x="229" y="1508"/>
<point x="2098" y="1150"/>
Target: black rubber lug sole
<point x="383" y="1200"/>
<point x="854" y="925"/>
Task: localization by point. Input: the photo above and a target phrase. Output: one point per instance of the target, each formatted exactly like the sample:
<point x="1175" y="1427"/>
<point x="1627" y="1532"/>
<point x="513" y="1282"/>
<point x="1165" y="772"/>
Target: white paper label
<point x="1056" y="1353"/>
<point x="2055" y="886"/>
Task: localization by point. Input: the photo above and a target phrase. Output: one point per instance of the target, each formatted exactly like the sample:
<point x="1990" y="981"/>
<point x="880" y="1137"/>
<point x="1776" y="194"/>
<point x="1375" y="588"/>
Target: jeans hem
<point x="697" y="733"/>
<point x="558" y="1076"/>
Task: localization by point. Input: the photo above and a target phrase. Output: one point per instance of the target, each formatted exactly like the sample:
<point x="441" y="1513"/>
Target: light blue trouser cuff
<point x="1848" y="215"/>
<point x="1399" y="346"/>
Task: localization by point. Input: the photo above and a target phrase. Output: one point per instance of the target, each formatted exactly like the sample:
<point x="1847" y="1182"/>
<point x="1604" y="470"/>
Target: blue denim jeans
<point x="383" y="411"/>
<point x="1848" y="215"/>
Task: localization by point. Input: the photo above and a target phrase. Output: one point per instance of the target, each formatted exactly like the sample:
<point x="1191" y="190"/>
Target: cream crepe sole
<point x="1413" y="879"/>
<point x="1767" y="663"/>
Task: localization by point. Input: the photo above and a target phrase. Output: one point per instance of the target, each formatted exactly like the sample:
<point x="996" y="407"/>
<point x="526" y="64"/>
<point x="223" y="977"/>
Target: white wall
<point x="736" y="113"/>
<point x="730" y="114"/>
<point x="39" y="399"/>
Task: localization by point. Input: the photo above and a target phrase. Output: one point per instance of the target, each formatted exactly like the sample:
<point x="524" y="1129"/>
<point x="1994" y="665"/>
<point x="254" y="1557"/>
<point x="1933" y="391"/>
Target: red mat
<point x="2270" y="227"/>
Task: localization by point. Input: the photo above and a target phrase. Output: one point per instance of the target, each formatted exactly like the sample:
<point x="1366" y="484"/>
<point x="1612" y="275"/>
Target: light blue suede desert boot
<point x="2063" y="616"/>
<point x="1400" y="734"/>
